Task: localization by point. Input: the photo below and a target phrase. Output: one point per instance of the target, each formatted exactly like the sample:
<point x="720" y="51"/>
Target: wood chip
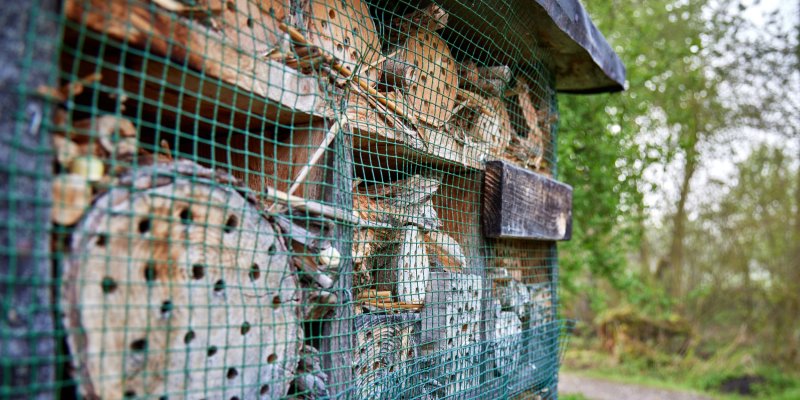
<point x="72" y="194"/>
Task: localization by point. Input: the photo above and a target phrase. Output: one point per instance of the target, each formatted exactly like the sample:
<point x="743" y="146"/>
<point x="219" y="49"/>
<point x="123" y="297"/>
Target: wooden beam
<point x="29" y="338"/>
<point x="518" y="203"/>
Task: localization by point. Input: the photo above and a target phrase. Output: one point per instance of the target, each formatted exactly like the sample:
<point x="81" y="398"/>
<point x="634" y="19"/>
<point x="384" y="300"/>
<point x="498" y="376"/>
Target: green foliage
<point x="606" y="142"/>
<point x="703" y="83"/>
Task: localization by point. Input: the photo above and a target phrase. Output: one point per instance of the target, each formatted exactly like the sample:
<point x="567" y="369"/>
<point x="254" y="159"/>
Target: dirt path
<point x="599" y="389"/>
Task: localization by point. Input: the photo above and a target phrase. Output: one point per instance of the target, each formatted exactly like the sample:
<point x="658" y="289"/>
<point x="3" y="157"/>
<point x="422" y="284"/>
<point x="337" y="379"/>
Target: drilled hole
<point x="355" y="31"/>
<point x="250" y="22"/>
<point x="109" y="285"/>
<point x="272" y="358"/>
<point x="139" y="345"/>
<point x="231" y="6"/>
<point x="339" y="47"/>
<point x="129" y="394"/>
<point x="464" y="328"/>
<point x="271" y="250"/>
<point x="235" y="398"/>
<point x="232" y="373"/>
<point x="255" y="272"/>
<point x="245" y="328"/>
<point x="323" y="24"/>
<point x="211" y="351"/>
<point x="102" y="239"/>
<point x="186" y="216"/>
<point x="271" y="11"/>
<point x="198" y="271"/>
<point x="442" y="70"/>
<point x="231" y="224"/>
<point x="276" y="301"/>
<point x="347" y="41"/>
<point x="332" y="14"/>
<point x="166" y="308"/>
<point x="144" y="225"/>
<point x="188" y="337"/>
<point x="219" y="286"/>
<point x="150" y="271"/>
<point x="264" y="389"/>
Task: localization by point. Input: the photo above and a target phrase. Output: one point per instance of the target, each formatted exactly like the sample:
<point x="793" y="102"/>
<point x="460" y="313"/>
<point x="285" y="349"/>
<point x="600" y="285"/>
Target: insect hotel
<point x="257" y="199"/>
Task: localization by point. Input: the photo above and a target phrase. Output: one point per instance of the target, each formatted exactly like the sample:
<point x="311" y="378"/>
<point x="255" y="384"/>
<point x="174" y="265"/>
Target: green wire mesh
<point x="274" y="199"/>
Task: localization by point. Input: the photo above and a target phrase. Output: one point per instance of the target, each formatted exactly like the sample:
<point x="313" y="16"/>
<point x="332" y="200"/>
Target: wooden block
<point x="522" y="204"/>
<point x="450" y="336"/>
<point x="182" y="271"/>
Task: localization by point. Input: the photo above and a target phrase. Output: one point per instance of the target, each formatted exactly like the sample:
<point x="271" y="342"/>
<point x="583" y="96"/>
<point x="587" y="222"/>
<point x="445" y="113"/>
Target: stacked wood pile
<point x="171" y="262"/>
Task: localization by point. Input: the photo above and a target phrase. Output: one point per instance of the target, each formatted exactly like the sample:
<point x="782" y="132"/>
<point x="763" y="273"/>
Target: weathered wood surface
<point x="451" y="337"/>
<point x="508" y="336"/>
<point x="522" y="204"/>
<point x="385" y="356"/>
<point x="28" y="332"/>
<point x="212" y="59"/>
<point x="390" y="143"/>
<point x="406" y="267"/>
<point x="180" y="272"/>
<point x="344" y="29"/>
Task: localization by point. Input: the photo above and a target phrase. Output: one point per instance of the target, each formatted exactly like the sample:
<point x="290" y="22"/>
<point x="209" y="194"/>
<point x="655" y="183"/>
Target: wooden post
<point x="339" y="335"/>
<point x="29" y="341"/>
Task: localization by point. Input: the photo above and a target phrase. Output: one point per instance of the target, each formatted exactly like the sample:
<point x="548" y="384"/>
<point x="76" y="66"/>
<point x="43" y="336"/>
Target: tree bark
<point x="675" y="257"/>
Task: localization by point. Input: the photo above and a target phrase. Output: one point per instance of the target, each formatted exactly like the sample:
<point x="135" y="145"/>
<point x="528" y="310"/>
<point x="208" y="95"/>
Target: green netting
<point x="268" y="199"/>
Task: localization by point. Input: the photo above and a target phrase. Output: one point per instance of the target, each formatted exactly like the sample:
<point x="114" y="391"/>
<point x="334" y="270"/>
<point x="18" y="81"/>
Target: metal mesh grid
<point x="268" y="199"/>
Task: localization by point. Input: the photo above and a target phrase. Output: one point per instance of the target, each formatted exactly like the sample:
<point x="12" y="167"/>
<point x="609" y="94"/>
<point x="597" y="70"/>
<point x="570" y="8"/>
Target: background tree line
<point x="687" y="186"/>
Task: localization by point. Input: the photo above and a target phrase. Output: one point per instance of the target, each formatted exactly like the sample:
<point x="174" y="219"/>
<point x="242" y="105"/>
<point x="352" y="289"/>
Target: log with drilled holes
<point x="485" y="120"/>
<point x="450" y="335"/>
<point x="431" y="87"/>
<point x="405" y="268"/>
<point x="384" y="356"/>
<point x="508" y="330"/>
<point x="344" y="29"/>
<point x="172" y="269"/>
<point x="224" y="44"/>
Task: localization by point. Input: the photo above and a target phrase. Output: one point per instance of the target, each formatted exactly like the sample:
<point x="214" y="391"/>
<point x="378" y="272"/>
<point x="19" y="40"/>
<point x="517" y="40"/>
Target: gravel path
<point x="599" y="389"/>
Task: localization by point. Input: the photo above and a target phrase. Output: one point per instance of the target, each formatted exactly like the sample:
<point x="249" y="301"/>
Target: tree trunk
<point x="674" y="275"/>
